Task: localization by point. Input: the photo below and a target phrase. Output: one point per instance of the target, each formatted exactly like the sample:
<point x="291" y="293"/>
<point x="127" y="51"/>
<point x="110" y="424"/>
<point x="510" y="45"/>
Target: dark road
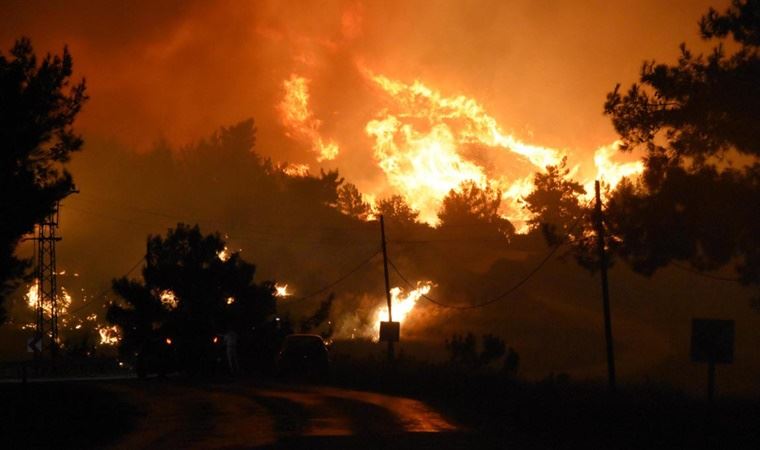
<point x="278" y="416"/>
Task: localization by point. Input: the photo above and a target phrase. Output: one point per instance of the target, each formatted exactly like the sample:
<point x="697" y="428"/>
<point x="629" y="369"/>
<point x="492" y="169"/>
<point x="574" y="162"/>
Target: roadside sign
<point x="34" y="344"/>
<point x="390" y="331"/>
<point x="712" y="341"/>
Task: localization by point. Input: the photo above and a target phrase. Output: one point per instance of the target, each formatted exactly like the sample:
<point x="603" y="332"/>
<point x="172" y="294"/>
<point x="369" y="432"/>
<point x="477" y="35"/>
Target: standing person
<point x="230" y="340"/>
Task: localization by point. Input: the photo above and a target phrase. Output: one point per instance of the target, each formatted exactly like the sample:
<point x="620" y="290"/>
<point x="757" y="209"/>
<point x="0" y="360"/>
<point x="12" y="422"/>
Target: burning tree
<point x="192" y="292"/>
<point x="37" y="109"/>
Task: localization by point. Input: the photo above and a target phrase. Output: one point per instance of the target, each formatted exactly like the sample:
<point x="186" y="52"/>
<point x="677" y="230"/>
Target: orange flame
<point x="63" y="300"/>
<point x="298" y="118"/>
<point x="402" y="304"/>
<point x="609" y="172"/>
<point x="281" y="290"/>
<point x="169" y="299"/>
<point x="423" y="143"/>
<point x="109" y="335"/>
<point x="425" y="165"/>
<point x="296" y="170"/>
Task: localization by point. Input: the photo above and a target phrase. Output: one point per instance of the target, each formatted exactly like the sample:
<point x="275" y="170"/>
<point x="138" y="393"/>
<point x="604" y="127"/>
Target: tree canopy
<point x="38" y="106"/>
<point x="476" y="208"/>
<point x="397" y="211"/>
<point x="699" y="197"/>
<point x="554" y="204"/>
<point x="192" y="291"/>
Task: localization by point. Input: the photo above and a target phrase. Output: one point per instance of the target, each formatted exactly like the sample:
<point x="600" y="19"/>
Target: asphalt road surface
<point x="283" y="416"/>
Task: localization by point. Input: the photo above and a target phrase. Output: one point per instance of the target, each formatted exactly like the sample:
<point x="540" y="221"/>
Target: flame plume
<point x="298" y="118"/>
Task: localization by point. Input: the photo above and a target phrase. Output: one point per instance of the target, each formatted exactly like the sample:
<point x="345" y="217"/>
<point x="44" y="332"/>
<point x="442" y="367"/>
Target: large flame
<point x="299" y="120"/>
<point x="610" y="172"/>
<point x="402" y="304"/>
<point x="33" y="294"/>
<point x="421" y="147"/>
<point x="63" y="300"/>
<point x="424" y="141"/>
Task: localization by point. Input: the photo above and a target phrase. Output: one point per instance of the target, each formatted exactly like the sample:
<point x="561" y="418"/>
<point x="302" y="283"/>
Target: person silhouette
<point x="230" y="340"/>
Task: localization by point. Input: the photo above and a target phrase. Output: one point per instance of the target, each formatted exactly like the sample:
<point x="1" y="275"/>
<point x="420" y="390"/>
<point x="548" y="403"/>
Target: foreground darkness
<point x="452" y="411"/>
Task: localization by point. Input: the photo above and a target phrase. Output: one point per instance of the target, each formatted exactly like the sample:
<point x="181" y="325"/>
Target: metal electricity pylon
<point x="47" y="287"/>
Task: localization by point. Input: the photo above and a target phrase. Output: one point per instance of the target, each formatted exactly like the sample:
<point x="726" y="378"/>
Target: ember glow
<point x="281" y="290"/>
<point x="168" y="299"/>
<point x="109" y="335"/>
<point x="296" y="170"/>
<point x="299" y="120"/>
<point x="224" y="254"/>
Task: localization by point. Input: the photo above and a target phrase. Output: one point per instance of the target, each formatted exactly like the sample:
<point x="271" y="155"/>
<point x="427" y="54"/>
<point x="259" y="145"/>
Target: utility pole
<point x="600" y="241"/>
<point x="387" y="285"/>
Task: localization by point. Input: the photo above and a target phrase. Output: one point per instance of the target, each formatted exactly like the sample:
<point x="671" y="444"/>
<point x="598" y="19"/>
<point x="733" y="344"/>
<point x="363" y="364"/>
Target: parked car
<point x="303" y="356"/>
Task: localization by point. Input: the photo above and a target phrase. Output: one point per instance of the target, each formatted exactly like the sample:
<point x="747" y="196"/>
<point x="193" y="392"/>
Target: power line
<point x="501" y="296"/>
<point x="342" y="278"/>
<point x="105" y="291"/>
<point x="492" y="300"/>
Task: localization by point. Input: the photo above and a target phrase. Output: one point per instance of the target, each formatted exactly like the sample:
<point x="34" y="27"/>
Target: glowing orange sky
<point x="179" y="69"/>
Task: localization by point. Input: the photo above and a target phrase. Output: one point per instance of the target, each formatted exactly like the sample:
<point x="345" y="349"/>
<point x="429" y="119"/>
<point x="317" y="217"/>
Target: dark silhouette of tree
<point x="316" y="191"/>
<point x="474" y="211"/>
<point x="38" y="105"/>
<point x="554" y="205"/>
<point x="351" y="203"/>
<point x="397" y="211"/>
<point x="463" y="350"/>
<point x="191" y="293"/>
<point x="699" y="197"/>
<point x="561" y="217"/>
<point x="493" y="349"/>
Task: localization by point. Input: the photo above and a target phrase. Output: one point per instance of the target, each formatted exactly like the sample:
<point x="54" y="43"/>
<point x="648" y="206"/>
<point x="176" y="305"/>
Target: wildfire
<point x="224" y="254"/>
<point x="402" y="303"/>
<point x="296" y="170"/>
<point x="298" y="118"/>
<point x="63" y="300"/>
<point x="109" y="335"/>
<point x="33" y="294"/>
<point x="168" y="299"/>
<point x="281" y="290"/>
<point x="609" y="172"/>
<point x="425" y="165"/>
<point x="427" y="144"/>
<point x="424" y="162"/>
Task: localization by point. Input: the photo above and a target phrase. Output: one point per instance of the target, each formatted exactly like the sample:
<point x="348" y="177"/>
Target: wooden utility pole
<point x="600" y="240"/>
<point x="387" y="285"/>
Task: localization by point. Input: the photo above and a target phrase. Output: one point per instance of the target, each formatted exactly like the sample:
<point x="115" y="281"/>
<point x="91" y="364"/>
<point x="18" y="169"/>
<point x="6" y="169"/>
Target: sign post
<point x="34" y="344"/>
<point x="390" y="331"/>
<point x="712" y="342"/>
